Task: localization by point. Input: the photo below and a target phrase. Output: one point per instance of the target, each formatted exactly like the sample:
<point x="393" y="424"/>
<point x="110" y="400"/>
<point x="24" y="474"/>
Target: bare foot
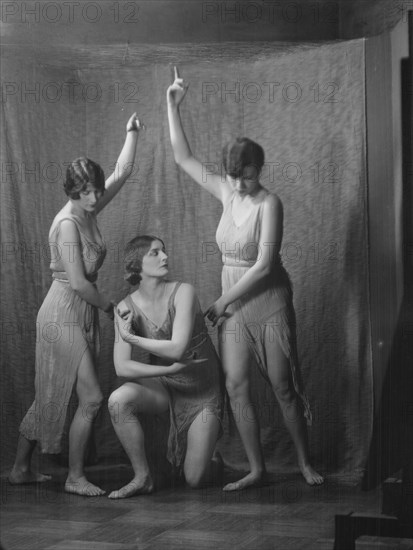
<point x="247" y="481"/>
<point x="141" y="485"/>
<point x="311" y="476"/>
<point x="81" y="486"/>
<point x="17" y="477"/>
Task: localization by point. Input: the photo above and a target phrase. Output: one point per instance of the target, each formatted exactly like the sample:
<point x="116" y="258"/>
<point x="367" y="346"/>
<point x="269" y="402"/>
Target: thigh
<point x="278" y="364"/>
<point x="148" y="396"/>
<point x="235" y="350"/>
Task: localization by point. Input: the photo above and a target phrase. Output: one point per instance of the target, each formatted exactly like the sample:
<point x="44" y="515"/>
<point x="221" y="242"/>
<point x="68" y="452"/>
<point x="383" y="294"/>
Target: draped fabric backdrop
<point x="305" y="105"/>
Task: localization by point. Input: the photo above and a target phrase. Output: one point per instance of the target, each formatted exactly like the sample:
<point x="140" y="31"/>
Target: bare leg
<point x="148" y="397"/>
<point x="200" y="467"/>
<point x="90" y="399"/>
<point x="280" y="375"/>
<point x="235" y="357"/>
<point x="21" y="472"/>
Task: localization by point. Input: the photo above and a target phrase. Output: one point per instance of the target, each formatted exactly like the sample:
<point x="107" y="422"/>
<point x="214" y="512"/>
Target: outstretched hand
<point x="176" y="91"/>
<point x="134" y="124"/>
<point x="179" y="366"/>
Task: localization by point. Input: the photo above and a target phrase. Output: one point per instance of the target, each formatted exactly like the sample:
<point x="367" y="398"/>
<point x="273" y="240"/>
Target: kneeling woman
<point x="164" y="318"/>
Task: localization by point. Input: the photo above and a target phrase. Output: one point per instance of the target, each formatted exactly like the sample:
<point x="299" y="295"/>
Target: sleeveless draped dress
<point x="267" y="311"/>
<point x="197" y="389"/>
<point x="67" y="327"/>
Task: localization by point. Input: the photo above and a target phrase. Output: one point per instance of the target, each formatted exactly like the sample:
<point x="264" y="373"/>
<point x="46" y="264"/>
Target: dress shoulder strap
<point x="129" y="302"/>
<point x="172" y="296"/>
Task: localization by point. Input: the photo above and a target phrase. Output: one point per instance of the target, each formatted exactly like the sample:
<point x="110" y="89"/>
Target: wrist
<point x="132" y="130"/>
<point x="224" y="301"/>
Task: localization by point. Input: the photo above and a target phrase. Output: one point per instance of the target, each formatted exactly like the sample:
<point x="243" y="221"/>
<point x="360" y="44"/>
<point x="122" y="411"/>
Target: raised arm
<point x="69" y="245"/>
<point x="124" y="164"/>
<point x="180" y="146"/>
<point x="175" y="348"/>
<point x="269" y="247"/>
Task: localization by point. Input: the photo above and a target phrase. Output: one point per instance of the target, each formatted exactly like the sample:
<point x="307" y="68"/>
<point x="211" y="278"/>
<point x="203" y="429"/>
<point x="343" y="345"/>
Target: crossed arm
<point x="170" y="350"/>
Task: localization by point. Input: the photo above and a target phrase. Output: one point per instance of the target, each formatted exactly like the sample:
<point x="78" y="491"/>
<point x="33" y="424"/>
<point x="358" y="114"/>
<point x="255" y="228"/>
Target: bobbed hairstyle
<point x="241" y="153"/>
<point x="79" y="173"/>
<point x="134" y="252"/>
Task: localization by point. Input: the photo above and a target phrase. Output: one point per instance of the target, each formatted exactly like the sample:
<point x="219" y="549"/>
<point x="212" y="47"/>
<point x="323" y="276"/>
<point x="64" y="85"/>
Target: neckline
<point x="78" y="221"/>
<point x="158" y="327"/>
<point x="245" y="219"/>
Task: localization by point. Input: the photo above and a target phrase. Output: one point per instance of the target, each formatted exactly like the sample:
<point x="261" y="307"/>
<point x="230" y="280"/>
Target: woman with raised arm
<point x="68" y="322"/>
<point x="164" y="318"/>
<point x="256" y="302"/>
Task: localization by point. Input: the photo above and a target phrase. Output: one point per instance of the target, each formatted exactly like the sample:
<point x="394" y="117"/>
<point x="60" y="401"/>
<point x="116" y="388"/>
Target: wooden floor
<point x="284" y="514"/>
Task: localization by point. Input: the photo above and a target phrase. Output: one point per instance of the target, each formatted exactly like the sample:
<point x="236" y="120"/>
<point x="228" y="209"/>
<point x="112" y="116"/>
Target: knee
<point x="194" y="479"/>
<point x="91" y="408"/>
<point x="236" y="387"/>
<point x="285" y="393"/>
<point x="119" y="404"/>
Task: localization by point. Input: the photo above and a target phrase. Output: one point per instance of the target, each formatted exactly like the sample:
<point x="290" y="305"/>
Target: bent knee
<point x="194" y="479"/>
<point x="119" y="404"/>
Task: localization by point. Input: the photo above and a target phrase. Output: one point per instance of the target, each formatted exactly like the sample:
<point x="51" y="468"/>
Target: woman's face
<point x="88" y="198"/>
<point x="155" y="261"/>
<point x="246" y="184"/>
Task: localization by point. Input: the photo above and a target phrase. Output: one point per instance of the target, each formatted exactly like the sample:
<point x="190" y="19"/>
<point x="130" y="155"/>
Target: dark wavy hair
<point x="79" y="173"/>
<point x="134" y="252"/>
<point x="241" y="153"/>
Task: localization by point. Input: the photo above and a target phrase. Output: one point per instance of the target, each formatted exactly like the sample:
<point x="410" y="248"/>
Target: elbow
<point x="120" y="369"/>
<point x="79" y="285"/>
<point x="265" y="270"/>
<point x="179" y="159"/>
<point x="126" y="172"/>
<point x="178" y="353"/>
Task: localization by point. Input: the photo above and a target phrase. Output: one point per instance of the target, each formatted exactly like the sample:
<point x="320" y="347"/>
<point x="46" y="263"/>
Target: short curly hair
<point x="135" y="250"/>
<point x="79" y="173"/>
<point x="241" y="153"/>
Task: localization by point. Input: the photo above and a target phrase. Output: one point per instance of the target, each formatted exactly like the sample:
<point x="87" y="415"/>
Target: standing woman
<point x="256" y="303"/>
<point x="164" y="318"/>
<point x="77" y="251"/>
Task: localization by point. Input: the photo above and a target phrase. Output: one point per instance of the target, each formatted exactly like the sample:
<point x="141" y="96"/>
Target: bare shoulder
<point x="185" y="294"/>
<point x="185" y="289"/>
<point x="273" y="203"/>
<point x="65" y="226"/>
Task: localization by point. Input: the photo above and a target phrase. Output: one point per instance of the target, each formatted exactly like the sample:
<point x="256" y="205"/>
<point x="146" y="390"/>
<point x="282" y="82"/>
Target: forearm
<point x="247" y="283"/>
<point x="127" y="156"/>
<point x="166" y="349"/>
<point x="135" y="369"/>
<point x="88" y="292"/>
<point x="180" y="145"/>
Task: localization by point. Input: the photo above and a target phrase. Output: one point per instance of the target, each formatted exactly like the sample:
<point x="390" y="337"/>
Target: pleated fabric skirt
<point x="67" y="328"/>
<point x="264" y="314"/>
